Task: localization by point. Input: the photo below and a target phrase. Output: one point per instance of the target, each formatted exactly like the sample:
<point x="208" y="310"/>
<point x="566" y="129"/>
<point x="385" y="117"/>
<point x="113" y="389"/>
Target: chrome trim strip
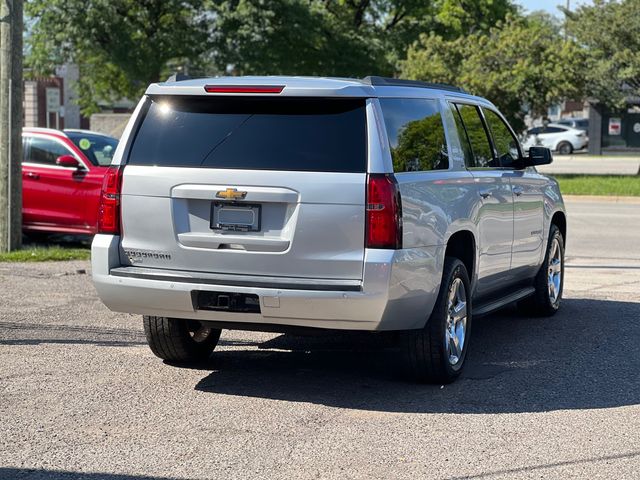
<point x="237" y="280"/>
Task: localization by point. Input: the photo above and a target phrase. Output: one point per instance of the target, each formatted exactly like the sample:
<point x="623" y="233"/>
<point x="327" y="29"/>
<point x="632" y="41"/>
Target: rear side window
<point x="314" y="134"/>
<point x="477" y="136"/>
<point x="416" y="134"/>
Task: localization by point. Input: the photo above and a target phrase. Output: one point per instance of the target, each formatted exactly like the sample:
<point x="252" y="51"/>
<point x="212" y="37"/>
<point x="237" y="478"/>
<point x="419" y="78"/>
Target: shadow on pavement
<point x="37" y="474"/>
<point x="587" y="356"/>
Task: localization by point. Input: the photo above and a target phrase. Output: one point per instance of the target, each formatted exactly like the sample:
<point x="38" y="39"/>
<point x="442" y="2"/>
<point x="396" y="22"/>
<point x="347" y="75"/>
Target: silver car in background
<point x="280" y="203"/>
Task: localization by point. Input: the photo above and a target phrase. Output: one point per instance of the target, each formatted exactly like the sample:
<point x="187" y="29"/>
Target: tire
<point x="565" y="148"/>
<point x="546" y="299"/>
<point x="431" y="355"/>
<point x="180" y="340"/>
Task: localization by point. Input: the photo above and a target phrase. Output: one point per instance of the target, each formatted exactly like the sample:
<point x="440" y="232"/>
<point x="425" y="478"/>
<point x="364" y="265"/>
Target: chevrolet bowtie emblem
<point x="231" y="194"/>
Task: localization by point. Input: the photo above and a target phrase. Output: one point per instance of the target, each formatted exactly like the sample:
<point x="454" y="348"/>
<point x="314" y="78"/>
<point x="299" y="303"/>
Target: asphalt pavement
<point x="82" y="397"/>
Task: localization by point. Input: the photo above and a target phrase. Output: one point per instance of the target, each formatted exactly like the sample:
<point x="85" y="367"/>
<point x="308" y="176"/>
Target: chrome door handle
<point x="35" y="176"/>
<point x="518" y="191"/>
<point x="485" y="193"/>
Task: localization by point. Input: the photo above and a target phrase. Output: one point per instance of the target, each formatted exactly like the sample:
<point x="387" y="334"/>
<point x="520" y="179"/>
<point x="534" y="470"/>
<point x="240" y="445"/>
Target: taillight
<point x="109" y="210"/>
<point x="384" y="212"/>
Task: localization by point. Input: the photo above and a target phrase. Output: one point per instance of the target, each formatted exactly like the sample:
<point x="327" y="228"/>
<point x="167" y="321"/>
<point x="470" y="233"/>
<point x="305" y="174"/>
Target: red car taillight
<point x="109" y="210"/>
<point x="384" y="212"/>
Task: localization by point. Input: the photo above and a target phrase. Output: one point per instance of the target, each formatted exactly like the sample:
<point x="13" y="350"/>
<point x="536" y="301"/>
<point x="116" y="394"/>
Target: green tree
<point x="120" y="46"/>
<point x="521" y="62"/>
<point x="609" y="32"/>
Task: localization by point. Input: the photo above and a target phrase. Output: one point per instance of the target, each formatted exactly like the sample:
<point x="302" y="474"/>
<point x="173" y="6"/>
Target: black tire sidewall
<point x="437" y="324"/>
<point x="554" y="234"/>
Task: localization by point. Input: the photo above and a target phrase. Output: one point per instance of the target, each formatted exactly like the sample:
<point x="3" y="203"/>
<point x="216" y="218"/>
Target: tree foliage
<point x="120" y="46"/>
<point x="520" y="62"/>
<point x="609" y="33"/>
<point x="486" y="46"/>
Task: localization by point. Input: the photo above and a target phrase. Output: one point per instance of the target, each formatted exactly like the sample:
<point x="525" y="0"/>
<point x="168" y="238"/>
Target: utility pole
<point x="11" y="25"/>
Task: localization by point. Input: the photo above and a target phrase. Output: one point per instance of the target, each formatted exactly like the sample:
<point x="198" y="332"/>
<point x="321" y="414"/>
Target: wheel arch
<point x="560" y="220"/>
<point x="462" y="245"/>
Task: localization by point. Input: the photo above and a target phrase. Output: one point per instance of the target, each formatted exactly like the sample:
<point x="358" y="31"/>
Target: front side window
<point x="45" y="151"/>
<point x="505" y="143"/>
<point x="477" y="135"/>
<point x="416" y="134"/>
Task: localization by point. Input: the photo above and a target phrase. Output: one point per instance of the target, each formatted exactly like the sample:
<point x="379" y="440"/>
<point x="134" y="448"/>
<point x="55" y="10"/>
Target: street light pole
<point x="10" y="124"/>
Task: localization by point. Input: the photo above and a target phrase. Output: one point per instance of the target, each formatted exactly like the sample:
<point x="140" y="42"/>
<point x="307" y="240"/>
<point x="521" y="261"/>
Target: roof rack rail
<point x="177" y="77"/>
<point x="397" y="82"/>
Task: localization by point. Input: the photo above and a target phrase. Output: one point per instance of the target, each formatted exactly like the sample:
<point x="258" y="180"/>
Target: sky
<point x="550" y="6"/>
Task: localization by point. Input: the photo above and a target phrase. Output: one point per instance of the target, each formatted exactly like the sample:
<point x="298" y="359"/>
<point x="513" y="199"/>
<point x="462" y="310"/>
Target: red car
<point x="62" y="174"/>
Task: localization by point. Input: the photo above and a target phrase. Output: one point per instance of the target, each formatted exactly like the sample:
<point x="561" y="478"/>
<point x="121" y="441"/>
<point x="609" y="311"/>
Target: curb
<point x="601" y="198"/>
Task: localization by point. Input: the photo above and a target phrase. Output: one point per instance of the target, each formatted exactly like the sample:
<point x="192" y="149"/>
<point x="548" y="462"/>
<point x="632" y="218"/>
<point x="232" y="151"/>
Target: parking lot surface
<point x="81" y="395"/>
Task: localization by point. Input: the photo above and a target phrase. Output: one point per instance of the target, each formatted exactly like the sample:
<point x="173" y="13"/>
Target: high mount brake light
<point x="109" y="210"/>
<point x="243" y="88"/>
<point x="384" y="212"/>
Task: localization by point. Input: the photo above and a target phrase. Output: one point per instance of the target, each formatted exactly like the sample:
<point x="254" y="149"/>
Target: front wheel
<point x="549" y="281"/>
<point x="437" y="353"/>
<point x="180" y="340"/>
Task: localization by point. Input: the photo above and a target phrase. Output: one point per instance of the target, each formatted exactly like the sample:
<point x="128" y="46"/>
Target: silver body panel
<point x="314" y="241"/>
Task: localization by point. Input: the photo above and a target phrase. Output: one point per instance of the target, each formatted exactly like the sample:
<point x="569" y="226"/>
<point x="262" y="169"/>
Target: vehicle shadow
<point x="39" y="473"/>
<point x="587" y="356"/>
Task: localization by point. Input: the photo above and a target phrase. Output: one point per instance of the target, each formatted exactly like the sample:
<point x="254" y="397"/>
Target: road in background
<point x="542" y="397"/>
<point x="588" y="165"/>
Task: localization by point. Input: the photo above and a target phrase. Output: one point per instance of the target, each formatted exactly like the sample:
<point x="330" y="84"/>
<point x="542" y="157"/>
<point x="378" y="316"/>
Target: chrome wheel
<point x="198" y="332"/>
<point x="456" y="321"/>
<point x="554" y="273"/>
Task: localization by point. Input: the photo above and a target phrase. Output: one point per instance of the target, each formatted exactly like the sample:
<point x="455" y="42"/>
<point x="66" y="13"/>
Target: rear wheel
<point x="180" y="340"/>
<point x="550" y="279"/>
<point x="565" y="148"/>
<point x="436" y="353"/>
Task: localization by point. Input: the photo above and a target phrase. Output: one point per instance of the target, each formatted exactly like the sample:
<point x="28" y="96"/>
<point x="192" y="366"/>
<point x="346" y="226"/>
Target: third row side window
<point x="416" y="134"/>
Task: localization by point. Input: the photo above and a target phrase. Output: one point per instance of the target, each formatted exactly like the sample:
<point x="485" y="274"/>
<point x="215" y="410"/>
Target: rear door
<point x="495" y="213"/>
<point x="247" y="185"/>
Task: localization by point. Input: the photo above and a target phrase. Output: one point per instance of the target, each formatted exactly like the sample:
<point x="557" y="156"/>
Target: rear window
<point x="314" y="134"/>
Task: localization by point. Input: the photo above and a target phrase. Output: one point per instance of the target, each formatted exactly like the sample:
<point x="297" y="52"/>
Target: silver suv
<point x="282" y="203"/>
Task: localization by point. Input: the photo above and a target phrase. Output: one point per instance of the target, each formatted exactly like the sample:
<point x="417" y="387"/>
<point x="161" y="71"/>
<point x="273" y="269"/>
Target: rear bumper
<point x="397" y="292"/>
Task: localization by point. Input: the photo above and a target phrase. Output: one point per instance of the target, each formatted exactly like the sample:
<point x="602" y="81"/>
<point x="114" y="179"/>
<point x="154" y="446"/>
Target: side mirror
<point x="538" y="156"/>
<point x="67" y="161"/>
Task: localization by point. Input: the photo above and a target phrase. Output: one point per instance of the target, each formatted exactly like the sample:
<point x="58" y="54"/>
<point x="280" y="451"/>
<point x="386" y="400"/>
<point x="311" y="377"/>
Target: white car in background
<point x="559" y="138"/>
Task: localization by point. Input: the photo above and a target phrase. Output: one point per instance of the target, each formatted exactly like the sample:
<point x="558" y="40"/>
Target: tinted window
<point x="99" y="149"/>
<point x="462" y="136"/>
<point x="482" y="153"/>
<point x="582" y="123"/>
<point x="503" y="141"/>
<point x="253" y="133"/>
<point x="416" y="134"/>
<point x="534" y="131"/>
<point x="553" y="130"/>
<point x="45" y="151"/>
